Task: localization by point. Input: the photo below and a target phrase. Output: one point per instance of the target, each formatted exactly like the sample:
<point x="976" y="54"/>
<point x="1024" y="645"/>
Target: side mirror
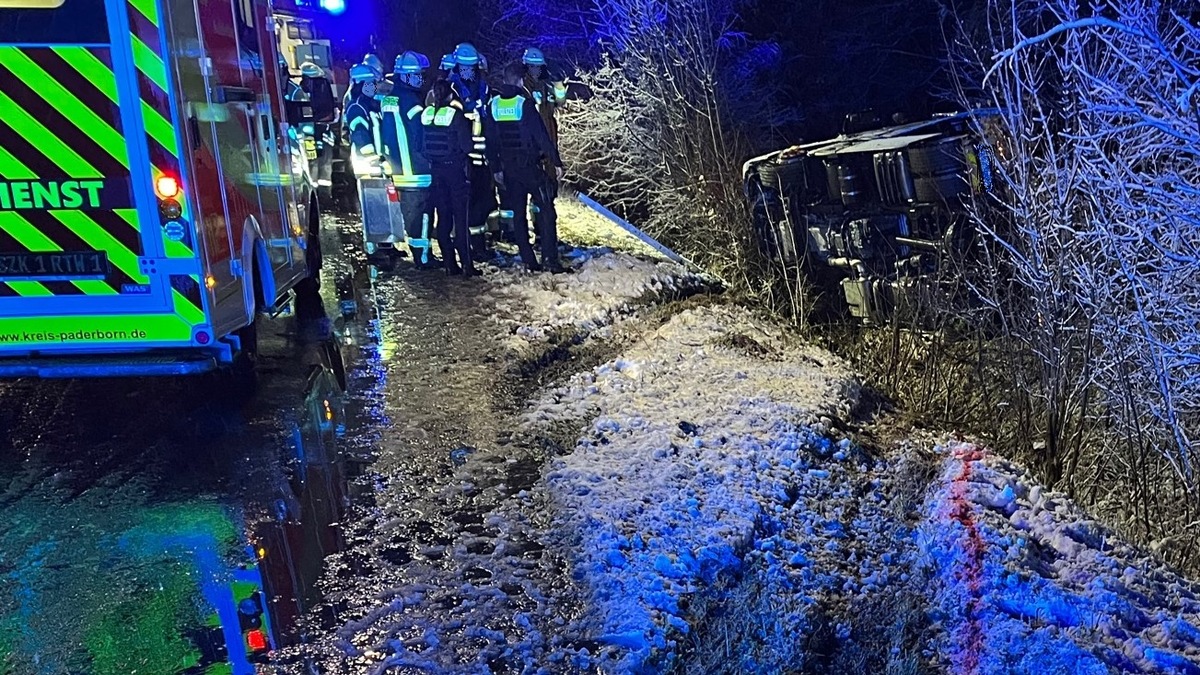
<point x="298" y="112"/>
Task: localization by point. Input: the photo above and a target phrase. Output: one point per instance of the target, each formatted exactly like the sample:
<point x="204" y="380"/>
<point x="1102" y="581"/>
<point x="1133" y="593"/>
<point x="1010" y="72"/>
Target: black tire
<point x="314" y="259"/>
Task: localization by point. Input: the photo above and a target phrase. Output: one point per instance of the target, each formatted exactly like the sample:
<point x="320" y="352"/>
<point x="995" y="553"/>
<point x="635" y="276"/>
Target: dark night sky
<point x="432" y="27"/>
<point x="840" y="55"/>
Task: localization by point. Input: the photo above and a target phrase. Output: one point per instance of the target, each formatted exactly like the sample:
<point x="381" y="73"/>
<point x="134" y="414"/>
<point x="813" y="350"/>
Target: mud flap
<point x="383" y="220"/>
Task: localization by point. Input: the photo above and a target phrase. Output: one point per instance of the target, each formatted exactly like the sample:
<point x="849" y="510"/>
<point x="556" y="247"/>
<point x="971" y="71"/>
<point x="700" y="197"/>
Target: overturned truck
<point x="882" y="218"/>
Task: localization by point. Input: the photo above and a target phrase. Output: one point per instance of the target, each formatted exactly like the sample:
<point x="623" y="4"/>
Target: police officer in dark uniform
<point x="447" y="144"/>
<point x="517" y="144"/>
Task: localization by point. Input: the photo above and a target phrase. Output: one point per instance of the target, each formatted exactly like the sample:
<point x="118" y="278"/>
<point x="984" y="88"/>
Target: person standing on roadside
<point x="549" y="95"/>
<point x="402" y="131"/>
<point x="447" y="145"/>
<point x="517" y="144"/>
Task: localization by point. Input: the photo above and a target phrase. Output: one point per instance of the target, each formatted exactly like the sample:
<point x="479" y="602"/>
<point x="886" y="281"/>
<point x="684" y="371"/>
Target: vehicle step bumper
<point x="106" y="366"/>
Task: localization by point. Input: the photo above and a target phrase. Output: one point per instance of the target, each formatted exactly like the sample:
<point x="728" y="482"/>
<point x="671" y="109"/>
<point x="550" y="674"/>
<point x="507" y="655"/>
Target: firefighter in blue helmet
<point x="549" y="94"/>
<point x="469" y="83"/>
<point x="445" y="70"/>
<point x="470" y="86"/>
<point x="546" y="87"/>
<point x="375" y="67"/>
<point x="518" y="143"/>
<point x="367" y="152"/>
<point x="362" y="121"/>
<point x="315" y="83"/>
<point x="402" y="139"/>
<point x="447" y="145"/>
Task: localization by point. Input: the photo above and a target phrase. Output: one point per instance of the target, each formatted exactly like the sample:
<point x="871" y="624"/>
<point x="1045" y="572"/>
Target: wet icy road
<point x="135" y="515"/>
<point x="445" y="549"/>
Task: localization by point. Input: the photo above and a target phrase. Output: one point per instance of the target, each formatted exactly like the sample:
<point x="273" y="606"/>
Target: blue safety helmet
<point x="372" y="61"/>
<point x="411" y="63"/>
<point x="361" y="72"/>
<point x="448" y="62"/>
<point x="466" y="55"/>
<point x="310" y="69"/>
<point x="533" y="57"/>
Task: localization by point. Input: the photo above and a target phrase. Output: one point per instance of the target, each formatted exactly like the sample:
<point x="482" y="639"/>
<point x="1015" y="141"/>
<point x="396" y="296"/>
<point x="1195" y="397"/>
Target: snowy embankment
<point x="1024" y="581"/>
<point x="704" y="456"/>
<point x="717" y="522"/>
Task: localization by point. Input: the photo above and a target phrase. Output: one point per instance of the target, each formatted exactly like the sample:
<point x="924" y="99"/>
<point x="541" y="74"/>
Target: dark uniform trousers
<point x="522" y="183"/>
<point x="413" y="208"/>
<point x="450" y="196"/>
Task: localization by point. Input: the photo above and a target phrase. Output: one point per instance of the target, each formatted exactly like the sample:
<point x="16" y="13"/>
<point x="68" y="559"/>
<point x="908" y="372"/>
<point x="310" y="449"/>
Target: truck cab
<point x="154" y="193"/>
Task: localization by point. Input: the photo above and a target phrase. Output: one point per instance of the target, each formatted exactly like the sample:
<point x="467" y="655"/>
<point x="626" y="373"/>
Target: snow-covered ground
<point x="1024" y="581"/>
<point x="691" y="504"/>
<point x="605" y="287"/>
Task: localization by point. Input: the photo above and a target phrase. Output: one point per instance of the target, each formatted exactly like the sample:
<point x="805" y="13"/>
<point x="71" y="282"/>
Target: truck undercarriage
<point x="879" y="218"/>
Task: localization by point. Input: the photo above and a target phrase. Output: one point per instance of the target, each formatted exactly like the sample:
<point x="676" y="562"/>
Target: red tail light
<point x="256" y="640"/>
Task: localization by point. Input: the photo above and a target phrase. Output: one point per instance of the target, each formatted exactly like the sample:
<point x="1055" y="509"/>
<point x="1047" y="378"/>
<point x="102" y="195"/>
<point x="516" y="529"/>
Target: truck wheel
<point x="313" y="257"/>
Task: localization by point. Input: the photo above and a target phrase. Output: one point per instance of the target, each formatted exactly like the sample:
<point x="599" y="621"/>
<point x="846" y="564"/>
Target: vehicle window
<point x="247" y="36"/>
<point x="55" y="22"/>
<point x="300" y="30"/>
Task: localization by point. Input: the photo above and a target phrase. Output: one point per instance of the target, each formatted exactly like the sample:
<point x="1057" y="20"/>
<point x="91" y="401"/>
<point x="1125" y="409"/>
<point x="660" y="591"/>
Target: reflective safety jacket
<point x="474" y="96"/>
<point x="545" y="90"/>
<point x="517" y="136"/>
<point x="401" y="133"/>
<point x="363" y="123"/>
<point x="294" y="91"/>
<point x="447" y="137"/>
<point x="548" y="96"/>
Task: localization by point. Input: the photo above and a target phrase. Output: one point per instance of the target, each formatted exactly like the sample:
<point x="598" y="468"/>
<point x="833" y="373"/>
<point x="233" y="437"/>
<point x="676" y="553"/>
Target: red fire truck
<point x="155" y="197"/>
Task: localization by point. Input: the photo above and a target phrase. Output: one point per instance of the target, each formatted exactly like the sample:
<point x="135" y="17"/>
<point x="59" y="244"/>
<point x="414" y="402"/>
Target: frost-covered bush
<point x="674" y="100"/>
<point x="1097" y="271"/>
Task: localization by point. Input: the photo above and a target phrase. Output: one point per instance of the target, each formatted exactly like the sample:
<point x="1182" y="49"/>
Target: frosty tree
<point x="1097" y="263"/>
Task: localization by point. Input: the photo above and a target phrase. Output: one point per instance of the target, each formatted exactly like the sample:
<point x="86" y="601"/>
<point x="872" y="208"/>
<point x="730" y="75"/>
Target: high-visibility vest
<point x="437" y="123"/>
<point x="508" y="113"/>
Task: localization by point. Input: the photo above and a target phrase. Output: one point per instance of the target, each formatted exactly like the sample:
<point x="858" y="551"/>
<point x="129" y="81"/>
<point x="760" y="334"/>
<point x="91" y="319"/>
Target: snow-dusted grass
<point x="605" y="286"/>
<point x="1028" y="583"/>
<point x="697" y="446"/>
<point x="583" y="227"/>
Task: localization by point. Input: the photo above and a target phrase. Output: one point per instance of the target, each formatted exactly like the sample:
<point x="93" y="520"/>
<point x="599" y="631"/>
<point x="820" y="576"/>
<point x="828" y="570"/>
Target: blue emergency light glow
<point x="334" y="7"/>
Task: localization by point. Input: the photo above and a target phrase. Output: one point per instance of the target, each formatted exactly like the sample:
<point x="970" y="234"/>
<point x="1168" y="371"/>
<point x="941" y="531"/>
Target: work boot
<point x="434" y="262"/>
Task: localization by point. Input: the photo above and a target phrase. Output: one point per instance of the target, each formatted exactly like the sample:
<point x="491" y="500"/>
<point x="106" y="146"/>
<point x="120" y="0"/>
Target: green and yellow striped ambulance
<point x="154" y="193"/>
